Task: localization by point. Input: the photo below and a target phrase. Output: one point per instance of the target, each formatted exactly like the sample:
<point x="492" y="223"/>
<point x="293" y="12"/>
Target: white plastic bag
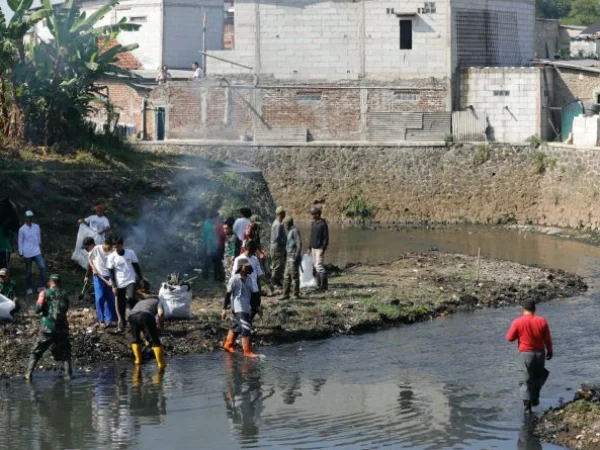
<point x="307" y="279"/>
<point x="6" y="307"/>
<point x="80" y="255"/>
<point x="177" y="301"/>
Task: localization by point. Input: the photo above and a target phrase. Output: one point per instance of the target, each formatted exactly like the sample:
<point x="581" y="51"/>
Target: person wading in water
<point x="535" y="347"/>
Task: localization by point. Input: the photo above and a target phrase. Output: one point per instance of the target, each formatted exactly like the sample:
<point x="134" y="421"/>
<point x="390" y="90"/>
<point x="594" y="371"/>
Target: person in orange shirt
<point x="535" y="347"/>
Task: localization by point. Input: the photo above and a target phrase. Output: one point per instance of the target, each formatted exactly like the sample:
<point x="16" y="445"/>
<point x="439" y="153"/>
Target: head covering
<point x="288" y="220"/>
<point x="315" y="210"/>
<point x="29" y="213"/>
<point x="280" y="210"/>
<point x="528" y="305"/>
<point x="243" y="262"/>
<point x="88" y="241"/>
<point x="55" y="277"/>
<point x="3" y="272"/>
<point x="255" y="219"/>
<point x="100" y="208"/>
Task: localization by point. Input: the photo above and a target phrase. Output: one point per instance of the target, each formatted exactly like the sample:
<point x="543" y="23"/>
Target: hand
<point x="224" y="314"/>
<point x="86" y="280"/>
<point x="114" y="289"/>
<point x="309" y="251"/>
<point x="549" y="356"/>
<point x="80" y="221"/>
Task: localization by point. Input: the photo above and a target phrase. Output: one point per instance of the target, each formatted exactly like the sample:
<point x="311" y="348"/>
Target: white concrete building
<point x="171" y="30"/>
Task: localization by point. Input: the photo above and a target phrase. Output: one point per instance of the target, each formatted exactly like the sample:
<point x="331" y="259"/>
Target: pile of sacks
<point x="176" y="297"/>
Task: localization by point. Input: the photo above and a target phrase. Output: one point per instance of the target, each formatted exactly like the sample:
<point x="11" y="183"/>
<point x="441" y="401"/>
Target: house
<point x="553" y="39"/>
<point x="171" y="30"/>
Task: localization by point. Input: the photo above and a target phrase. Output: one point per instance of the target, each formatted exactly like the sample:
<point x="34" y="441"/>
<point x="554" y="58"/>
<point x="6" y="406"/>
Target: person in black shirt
<point x="319" y="241"/>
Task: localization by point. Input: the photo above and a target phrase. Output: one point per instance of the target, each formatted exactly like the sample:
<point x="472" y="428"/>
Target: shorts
<point x="242" y="324"/>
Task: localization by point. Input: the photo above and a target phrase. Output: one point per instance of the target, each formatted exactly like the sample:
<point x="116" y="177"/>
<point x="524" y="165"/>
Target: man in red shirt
<point x="535" y="347"/>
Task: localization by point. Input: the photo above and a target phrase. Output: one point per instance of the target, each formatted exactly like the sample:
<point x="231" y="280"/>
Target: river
<point x="448" y="384"/>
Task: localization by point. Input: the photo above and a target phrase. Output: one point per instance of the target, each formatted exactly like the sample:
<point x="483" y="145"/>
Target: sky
<point x="7" y="12"/>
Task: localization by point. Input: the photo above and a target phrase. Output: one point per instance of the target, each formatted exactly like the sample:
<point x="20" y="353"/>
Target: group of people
<point x="164" y="75"/>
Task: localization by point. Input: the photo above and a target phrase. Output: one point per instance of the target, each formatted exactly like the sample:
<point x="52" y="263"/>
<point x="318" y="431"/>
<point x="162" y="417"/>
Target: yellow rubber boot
<point x="160" y="357"/>
<point x="248" y="347"/>
<point x="137" y="354"/>
<point x="229" y="345"/>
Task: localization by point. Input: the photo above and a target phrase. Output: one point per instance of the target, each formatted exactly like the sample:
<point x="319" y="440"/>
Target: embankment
<point x="549" y="185"/>
<point x="416" y="287"/>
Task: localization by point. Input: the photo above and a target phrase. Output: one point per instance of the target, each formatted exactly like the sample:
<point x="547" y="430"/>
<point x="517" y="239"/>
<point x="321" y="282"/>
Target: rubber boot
<point x="248" y="347"/>
<point x="324" y="282"/>
<point x="31" y="367"/>
<point x="229" y="345"/>
<point x="319" y="281"/>
<point x="137" y="354"/>
<point x="286" y="289"/>
<point x="159" y="353"/>
<point x="68" y="369"/>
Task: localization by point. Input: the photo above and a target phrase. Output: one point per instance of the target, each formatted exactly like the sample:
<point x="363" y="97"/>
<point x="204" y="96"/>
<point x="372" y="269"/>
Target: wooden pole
<point x="478" y="261"/>
<point x="204" y="42"/>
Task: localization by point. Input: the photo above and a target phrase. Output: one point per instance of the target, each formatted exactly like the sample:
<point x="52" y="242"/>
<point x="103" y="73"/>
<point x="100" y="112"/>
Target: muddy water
<point x="446" y="384"/>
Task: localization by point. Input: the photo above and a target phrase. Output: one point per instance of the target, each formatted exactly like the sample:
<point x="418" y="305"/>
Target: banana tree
<point x="71" y="63"/>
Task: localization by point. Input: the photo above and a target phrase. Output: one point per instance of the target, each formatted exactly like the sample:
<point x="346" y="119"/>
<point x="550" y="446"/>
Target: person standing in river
<point x="319" y="241"/>
<point x="535" y="347"/>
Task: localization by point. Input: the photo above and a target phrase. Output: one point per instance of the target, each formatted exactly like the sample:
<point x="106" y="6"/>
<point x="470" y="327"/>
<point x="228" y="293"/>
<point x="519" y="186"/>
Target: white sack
<point x="177" y="301"/>
<point x="6" y="306"/>
<point x="80" y="255"/>
<point x="307" y="279"/>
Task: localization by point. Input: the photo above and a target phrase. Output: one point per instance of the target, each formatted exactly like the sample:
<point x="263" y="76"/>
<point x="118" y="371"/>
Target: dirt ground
<point x="576" y="424"/>
<point x="361" y="298"/>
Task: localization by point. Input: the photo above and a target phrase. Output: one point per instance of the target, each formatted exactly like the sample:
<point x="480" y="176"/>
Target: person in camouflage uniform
<point x="293" y="249"/>
<point x="52" y="306"/>
<point x="7" y="284"/>
<point x="233" y="246"/>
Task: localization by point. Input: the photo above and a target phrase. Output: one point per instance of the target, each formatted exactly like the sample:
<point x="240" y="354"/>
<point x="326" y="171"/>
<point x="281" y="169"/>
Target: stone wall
<point x="555" y="185"/>
<point x="571" y="85"/>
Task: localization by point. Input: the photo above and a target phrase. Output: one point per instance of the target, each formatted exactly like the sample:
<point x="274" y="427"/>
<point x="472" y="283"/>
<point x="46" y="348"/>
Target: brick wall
<point x="571" y="85"/>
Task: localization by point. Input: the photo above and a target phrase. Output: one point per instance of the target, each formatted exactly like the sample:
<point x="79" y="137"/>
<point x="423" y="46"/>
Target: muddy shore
<point x="414" y="288"/>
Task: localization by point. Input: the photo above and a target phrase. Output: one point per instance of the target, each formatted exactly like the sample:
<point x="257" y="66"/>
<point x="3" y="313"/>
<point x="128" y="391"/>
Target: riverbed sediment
<point x="413" y="288"/>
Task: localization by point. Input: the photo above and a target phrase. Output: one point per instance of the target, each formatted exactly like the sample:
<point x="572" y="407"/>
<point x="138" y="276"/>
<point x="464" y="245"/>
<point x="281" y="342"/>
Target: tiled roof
<point x="126" y="60"/>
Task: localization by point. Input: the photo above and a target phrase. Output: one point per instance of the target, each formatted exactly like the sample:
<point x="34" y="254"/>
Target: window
<point x="406" y="35"/>
<point x="138" y="19"/>
<point x="407" y="96"/>
<point x="309" y="96"/>
<point x="501" y="93"/>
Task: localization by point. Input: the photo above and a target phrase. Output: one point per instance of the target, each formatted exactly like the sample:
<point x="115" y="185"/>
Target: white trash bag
<point x="307" y="279"/>
<point x="177" y="300"/>
<point x="6" y="307"/>
<point x="80" y="255"/>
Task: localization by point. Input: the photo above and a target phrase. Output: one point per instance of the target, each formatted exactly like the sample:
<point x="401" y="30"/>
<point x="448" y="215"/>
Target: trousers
<point x="41" y="264"/>
<point x="105" y="300"/>
<point x="533" y="374"/>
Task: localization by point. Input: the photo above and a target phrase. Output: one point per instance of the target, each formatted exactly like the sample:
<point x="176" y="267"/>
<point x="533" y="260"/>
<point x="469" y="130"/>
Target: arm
<point x="113" y="278"/>
<point x="325" y="235"/>
<point x="548" y="342"/>
<point x="39" y="235"/>
<point x="513" y="332"/>
<point x="161" y="319"/>
<point x="299" y="238"/>
<point x="138" y="270"/>
<point x="21" y="242"/>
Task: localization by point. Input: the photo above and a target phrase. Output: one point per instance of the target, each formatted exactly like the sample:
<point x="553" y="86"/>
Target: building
<point x="171" y="30"/>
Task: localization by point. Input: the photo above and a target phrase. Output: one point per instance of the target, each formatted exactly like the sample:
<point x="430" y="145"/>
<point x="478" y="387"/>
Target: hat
<point x="88" y="241"/>
<point x="55" y="276"/>
<point x="529" y="305"/>
<point x="289" y="220"/>
<point x="255" y="219"/>
<point x="315" y="210"/>
<point x="100" y="208"/>
<point x="3" y="272"/>
<point x="280" y="210"/>
<point x="243" y="262"/>
<point x="29" y="213"/>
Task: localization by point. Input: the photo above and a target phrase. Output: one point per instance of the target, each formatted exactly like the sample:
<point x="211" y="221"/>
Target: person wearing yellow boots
<point x="147" y="316"/>
<point x="238" y="294"/>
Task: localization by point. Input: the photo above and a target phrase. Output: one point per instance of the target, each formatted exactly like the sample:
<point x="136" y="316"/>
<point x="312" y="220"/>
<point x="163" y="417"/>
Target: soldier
<point x="278" y="241"/>
<point x="7" y="284"/>
<point x="293" y="255"/>
<point x="52" y="306"/>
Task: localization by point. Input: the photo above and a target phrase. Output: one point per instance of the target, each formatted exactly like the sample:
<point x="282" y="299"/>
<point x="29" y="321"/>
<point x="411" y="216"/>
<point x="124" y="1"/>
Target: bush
<point x="481" y="155"/>
<point x="358" y="209"/>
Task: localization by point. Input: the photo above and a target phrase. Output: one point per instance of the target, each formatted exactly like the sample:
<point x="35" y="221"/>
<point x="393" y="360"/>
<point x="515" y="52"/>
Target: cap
<point x="315" y="210"/>
<point x="88" y="241"/>
<point x="529" y="305"/>
<point x="29" y="213"/>
<point x="255" y="219"/>
<point x="289" y="220"/>
<point x="55" y="276"/>
<point x="100" y="208"/>
<point x="279" y="210"/>
<point x="3" y="272"/>
<point x="243" y="262"/>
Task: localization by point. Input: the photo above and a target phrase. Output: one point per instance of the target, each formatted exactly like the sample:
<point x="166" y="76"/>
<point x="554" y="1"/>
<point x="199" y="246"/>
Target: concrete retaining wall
<point x="555" y="185"/>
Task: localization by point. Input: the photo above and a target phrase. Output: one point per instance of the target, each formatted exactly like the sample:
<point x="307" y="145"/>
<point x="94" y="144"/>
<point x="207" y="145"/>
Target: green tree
<point x="553" y="9"/>
<point x="583" y="12"/>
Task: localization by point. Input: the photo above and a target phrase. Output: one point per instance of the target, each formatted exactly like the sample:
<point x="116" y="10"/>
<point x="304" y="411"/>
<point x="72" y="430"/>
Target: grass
<point x="480" y="155"/>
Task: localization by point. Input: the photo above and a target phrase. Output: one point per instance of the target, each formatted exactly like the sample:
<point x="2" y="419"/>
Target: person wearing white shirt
<point x="97" y="222"/>
<point x="197" y="72"/>
<point x="105" y="299"/>
<point x="239" y="226"/>
<point x="124" y="268"/>
<point x="257" y="275"/>
<point x="30" y="242"/>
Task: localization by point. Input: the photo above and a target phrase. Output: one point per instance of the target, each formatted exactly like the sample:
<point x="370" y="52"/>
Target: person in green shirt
<point x="7" y="284"/>
<point x="6" y="238"/>
<point x="233" y="245"/>
<point x="52" y="306"/>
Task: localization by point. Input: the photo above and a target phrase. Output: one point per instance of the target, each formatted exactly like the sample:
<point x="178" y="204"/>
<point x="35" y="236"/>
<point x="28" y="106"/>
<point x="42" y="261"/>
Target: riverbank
<point x="576" y="424"/>
<point x="414" y="288"/>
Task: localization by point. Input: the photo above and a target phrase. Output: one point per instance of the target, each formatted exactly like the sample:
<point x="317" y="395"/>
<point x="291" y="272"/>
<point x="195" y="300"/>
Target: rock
<point x="390" y="301"/>
<point x="469" y="300"/>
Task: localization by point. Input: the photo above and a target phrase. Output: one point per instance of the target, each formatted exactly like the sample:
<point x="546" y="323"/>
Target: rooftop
<point x="586" y="65"/>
